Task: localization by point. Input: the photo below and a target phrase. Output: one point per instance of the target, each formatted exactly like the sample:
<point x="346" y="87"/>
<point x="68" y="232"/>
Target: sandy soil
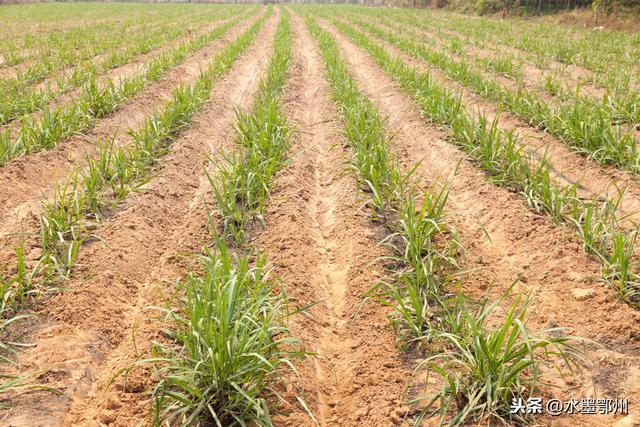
<point x="30" y="179"/>
<point x="92" y="332"/>
<point x="358" y="376"/>
<point x="506" y="241"/>
<point x="569" y="167"/>
<point x="322" y="245"/>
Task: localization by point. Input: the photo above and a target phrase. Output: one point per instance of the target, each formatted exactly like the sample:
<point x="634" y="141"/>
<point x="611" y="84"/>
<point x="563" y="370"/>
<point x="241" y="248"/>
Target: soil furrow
<point x="100" y="325"/>
<point x="324" y="251"/>
<point x="506" y="241"/>
<point x="28" y="180"/>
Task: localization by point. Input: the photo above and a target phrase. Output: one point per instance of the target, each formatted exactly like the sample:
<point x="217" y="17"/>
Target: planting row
<point x="96" y="101"/>
<point x="586" y="127"/>
<point x="86" y="194"/>
<point x="500" y="154"/>
<point x="75" y="31"/>
<point x="228" y="337"/>
<point x="69" y="48"/>
<point x="18" y="97"/>
<point x="428" y="314"/>
<point x="599" y="51"/>
<point x="618" y="103"/>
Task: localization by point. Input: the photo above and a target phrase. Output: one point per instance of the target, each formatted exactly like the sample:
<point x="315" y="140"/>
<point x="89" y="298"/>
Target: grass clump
<point x="483" y="368"/>
<point x="241" y="186"/>
<point x="229" y="341"/>
<point x="425" y="250"/>
<point x="229" y="344"/>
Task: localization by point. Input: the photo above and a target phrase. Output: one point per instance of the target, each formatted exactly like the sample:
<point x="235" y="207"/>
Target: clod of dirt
<point x="582" y="294"/>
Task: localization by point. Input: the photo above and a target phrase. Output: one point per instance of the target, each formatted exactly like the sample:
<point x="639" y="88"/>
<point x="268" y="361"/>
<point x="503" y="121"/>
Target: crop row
<point x="28" y="99"/>
<point x="584" y="126"/>
<point x="69" y="49"/>
<point x="19" y="99"/>
<point x="228" y="338"/>
<point x="79" y="202"/>
<point x="70" y="61"/>
<point x="428" y="314"/>
<point x="27" y="47"/>
<point x="500" y="154"/>
<point x="33" y="44"/>
<point x="96" y="101"/>
<point x="618" y="104"/>
<point x="595" y="50"/>
<point x="45" y="19"/>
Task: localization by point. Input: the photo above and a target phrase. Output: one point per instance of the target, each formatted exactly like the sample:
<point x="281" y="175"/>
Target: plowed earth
<point x="322" y="245"/>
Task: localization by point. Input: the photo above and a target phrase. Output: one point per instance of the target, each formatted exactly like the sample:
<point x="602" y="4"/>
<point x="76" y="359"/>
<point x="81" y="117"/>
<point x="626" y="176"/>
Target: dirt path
<point x="568" y="167"/>
<point x="27" y="181"/>
<point x="323" y="249"/>
<point x="100" y="325"/>
<point x="504" y="241"/>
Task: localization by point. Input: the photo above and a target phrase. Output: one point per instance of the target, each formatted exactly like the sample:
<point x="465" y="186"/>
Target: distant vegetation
<point x="598" y="9"/>
<point x="619" y="14"/>
<point x="528" y="7"/>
